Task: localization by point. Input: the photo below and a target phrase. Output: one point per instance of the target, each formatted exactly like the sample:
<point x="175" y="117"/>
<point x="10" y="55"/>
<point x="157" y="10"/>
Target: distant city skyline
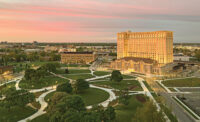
<point x="96" y="20"/>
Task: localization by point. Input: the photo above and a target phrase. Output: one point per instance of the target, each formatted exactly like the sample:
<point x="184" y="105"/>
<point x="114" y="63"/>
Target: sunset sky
<point x="96" y="20"/>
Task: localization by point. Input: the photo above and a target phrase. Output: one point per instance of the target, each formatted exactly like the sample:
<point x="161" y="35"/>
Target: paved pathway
<point x="98" y="77"/>
<point x="147" y="92"/>
<point x="14" y="80"/>
<point x="41" y="111"/>
<point x="105" y="103"/>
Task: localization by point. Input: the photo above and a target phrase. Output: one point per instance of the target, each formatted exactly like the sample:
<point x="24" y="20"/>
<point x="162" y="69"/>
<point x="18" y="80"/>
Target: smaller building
<point x="6" y="69"/>
<point x="181" y="57"/>
<point x="77" y="57"/>
<point x="50" y="48"/>
<point x="138" y="65"/>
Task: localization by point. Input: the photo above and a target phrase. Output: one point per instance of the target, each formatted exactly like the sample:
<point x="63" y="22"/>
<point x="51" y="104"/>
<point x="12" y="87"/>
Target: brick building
<point x="77" y="57"/>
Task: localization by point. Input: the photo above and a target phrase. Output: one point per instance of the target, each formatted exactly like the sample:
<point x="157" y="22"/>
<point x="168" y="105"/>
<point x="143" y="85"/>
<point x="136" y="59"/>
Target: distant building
<point x="67" y="50"/>
<point x="77" y="57"/>
<point x="156" y="45"/>
<point x="6" y="69"/>
<point x="143" y="52"/>
<point x="50" y="48"/>
<point x="32" y="50"/>
<point x="181" y="57"/>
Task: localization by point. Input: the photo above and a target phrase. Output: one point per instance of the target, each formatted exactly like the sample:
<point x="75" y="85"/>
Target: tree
<point x="148" y="113"/>
<point x="29" y="74"/>
<point x="124" y="97"/>
<point x="74" y="102"/>
<point x="80" y="85"/>
<point x="51" y="67"/>
<point x="66" y="71"/>
<point x="56" y="99"/>
<point x="116" y="76"/>
<point x="19" y="97"/>
<point x="109" y="114"/>
<point x="197" y="55"/>
<point x="64" y="87"/>
<point x="71" y="116"/>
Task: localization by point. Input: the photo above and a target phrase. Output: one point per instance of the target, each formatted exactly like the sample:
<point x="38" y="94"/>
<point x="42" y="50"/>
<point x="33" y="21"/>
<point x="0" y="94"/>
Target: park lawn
<point x="48" y="96"/>
<point x="101" y="73"/>
<point x="94" y="96"/>
<point x="127" y="77"/>
<point x="90" y="96"/>
<point x="20" y="66"/>
<point x="172" y="89"/>
<point x="75" y="65"/>
<point x="126" y="113"/>
<point x="148" y="86"/>
<point x="133" y="85"/>
<point x="7" y="86"/>
<point x="80" y="76"/>
<point x="15" y="114"/>
<point x="42" y="118"/>
<point x="43" y="82"/>
<point x="72" y="71"/>
<point x="187" y="82"/>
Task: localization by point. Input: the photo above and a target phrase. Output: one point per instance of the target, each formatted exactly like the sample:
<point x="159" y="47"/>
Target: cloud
<point x="95" y="19"/>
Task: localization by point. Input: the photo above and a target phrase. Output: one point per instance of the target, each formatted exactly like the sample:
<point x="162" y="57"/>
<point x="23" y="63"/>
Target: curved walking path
<point x="105" y="103"/>
<point x="53" y="88"/>
<point x="41" y="111"/>
<point x="14" y="80"/>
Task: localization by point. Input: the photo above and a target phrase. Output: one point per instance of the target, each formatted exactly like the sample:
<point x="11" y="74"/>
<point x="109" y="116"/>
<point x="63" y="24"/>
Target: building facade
<point x="137" y="65"/>
<point x="77" y="57"/>
<point x="156" y="45"/>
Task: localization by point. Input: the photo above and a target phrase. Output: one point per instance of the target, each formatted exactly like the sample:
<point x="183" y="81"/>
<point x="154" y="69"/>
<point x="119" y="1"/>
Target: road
<point x="179" y="112"/>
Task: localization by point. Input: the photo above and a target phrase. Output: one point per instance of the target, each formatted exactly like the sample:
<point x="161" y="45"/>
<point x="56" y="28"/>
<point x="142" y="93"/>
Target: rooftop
<point x="78" y="52"/>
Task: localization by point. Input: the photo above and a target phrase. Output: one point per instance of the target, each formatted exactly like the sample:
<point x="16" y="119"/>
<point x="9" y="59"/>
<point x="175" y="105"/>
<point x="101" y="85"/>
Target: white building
<point x="181" y="57"/>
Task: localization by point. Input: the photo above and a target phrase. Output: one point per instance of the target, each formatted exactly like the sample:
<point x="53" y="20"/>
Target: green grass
<point x="75" y="65"/>
<point x="126" y="113"/>
<point x="165" y="109"/>
<point x="94" y="96"/>
<point x="187" y="82"/>
<point x="127" y="76"/>
<point x="15" y="114"/>
<point x="72" y="71"/>
<point x="90" y="96"/>
<point x="6" y="86"/>
<point x="168" y="112"/>
<point x="130" y="84"/>
<point x="80" y="76"/>
<point x="48" y="96"/>
<point x="101" y="73"/>
<point x="44" y="82"/>
<point x="172" y="89"/>
<point x="147" y="85"/>
<point x="42" y="118"/>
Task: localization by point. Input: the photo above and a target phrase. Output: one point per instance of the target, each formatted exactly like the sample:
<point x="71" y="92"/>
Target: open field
<point x="101" y="73"/>
<point x="15" y="114"/>
<point x="133" y="85"/>
<point x="78" y="76"/>
<point x="90" y="96"/>
<point x="187" y="82"/>
<point x="43" y="82"/>
<point x="72" y="71"/>
<point x="75" y="65"/>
